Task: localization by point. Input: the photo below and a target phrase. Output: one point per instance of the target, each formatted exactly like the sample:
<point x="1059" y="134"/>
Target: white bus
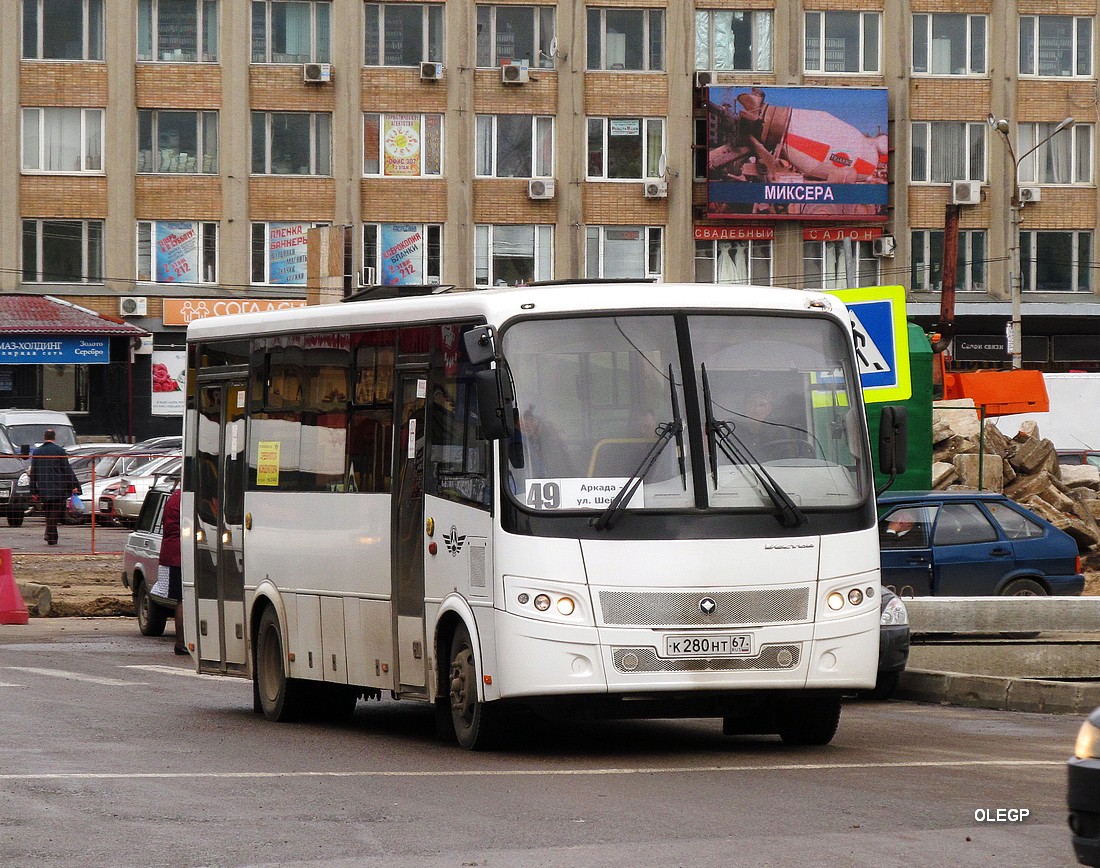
<point x="602" y="499"/>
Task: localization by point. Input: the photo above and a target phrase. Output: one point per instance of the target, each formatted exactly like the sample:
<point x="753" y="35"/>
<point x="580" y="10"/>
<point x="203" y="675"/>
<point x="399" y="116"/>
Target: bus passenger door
<point x="408" y="532"/>
<point x="220" y="456"/>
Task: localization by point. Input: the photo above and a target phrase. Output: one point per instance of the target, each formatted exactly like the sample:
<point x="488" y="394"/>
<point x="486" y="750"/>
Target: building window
<point x="1055" y="45"/>
<point x="291" y="143"/>
<point x="733" y="39"/>
<point x="512" y="255"/>
<point x="625" y="148"/>
<point x="62" y="140"/>
<point x="63" y="29"/>
<point x="949" y="44"/>
<point x="927" y="273"/>
<point x="630" y="39"/>
<point x="403" y="34"/>
<point x="65" y="388"/>
<point x="63" y="251"/>
<point x="739" y="262"/>
<point x="1064" y="159"/>
<point x="403" y="253"/>
<point x="1056" y="261"/>
<point x="291" y="31"/>
<point x="521" y="34"/>
<point x="279" y="252"/>
<point x="946" y="151"/>
<point x="514" y="146"/>
<point x="178" y="31"/>
<point x="177" y="251"/>
<point x="397" y="145"/>
<point x="177" y="141"/>
<point x="825" y="265"/>
<point x="842" y="41"/>
<point x="623" y="251"/>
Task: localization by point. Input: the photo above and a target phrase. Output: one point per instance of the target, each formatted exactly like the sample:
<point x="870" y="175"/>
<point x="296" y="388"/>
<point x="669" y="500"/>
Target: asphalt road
<point x="113" y="752"/>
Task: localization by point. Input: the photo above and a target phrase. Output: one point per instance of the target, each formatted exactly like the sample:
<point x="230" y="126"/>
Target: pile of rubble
<point x="1025" y="467"/>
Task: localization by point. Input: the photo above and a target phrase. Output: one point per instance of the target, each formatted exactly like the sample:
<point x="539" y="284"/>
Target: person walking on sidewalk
<point x="170" y="558"/>
<point x="52" y="481"/>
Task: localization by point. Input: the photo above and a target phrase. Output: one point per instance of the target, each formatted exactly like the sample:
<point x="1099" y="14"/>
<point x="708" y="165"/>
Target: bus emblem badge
<point x="707" y="606"/>
<point x="454" y="541"/>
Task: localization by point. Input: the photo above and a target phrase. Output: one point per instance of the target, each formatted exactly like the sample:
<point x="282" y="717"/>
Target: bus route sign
<point x="880" y="330"/>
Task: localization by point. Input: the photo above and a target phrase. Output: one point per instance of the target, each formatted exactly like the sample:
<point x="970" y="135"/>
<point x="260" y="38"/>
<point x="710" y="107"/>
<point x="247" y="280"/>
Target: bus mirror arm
<point x="480" y="344"/>
<point x="893" y="442"/>
<point x="495" y="404"/>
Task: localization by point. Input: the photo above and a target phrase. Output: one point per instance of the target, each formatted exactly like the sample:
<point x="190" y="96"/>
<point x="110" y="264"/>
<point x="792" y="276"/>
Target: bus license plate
<point x="722" y="645"/>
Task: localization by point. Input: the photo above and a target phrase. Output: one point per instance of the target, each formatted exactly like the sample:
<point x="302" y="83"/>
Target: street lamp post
<point x="1016" y="284"/>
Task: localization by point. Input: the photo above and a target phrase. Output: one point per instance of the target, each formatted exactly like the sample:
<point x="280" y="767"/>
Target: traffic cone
<point x="12" y="608"/>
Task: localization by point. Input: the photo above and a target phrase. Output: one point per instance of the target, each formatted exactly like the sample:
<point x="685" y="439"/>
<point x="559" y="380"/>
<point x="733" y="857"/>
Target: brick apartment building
<point x="159" y="158"/>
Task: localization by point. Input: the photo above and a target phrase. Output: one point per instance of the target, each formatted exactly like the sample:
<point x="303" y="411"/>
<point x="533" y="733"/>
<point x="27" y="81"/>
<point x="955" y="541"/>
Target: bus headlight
<point x="542" y="602"/>
<point x="563" y="603"/>
<point x="855" y="596"/>
<point x="566" y="605"/>
<point x="835" y="601"/>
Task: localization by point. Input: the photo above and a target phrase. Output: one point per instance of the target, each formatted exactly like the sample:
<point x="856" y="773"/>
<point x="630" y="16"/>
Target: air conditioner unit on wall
<point x="515" y="73"/>
<point x="656" y="189"/>
<point x="966" y="193"/>
<point x="540" y="188"/>
<point x="431" y="71"/>
<point x="884" y="246"/>
<point x="133" y="305"/>
<point x="317" y="73"/>
<point x="1031" y="194"/>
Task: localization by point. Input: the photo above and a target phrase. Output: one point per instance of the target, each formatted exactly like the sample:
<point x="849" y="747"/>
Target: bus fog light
<point x="542" y="602"/>
<point x="566" y="606"/>
<point x="835" y="601"/>
<point x="855" y="596"/>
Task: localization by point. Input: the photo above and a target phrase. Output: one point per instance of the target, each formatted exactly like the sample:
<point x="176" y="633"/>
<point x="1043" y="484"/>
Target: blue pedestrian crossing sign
<point x="881" y="335"/>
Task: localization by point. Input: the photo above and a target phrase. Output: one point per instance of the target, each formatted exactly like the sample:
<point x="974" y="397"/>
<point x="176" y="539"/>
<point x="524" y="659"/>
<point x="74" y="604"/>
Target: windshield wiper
<point x="666" y="431"/>
<point x="721" y="435"/>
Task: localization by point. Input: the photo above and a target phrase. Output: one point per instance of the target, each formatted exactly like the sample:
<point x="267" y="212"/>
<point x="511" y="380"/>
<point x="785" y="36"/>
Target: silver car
<point x="130" y="497"/>
<point x="141" y="558"/>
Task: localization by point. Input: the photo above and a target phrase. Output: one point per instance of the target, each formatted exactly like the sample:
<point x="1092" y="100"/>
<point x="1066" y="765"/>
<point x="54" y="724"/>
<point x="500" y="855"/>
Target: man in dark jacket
<point x="52" y="481"/>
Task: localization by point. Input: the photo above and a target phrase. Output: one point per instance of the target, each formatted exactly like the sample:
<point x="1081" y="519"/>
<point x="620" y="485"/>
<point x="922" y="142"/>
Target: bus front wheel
<point x="281" y="698"/>
<point x="809" y="721"/>
<point x="474" y="721"/>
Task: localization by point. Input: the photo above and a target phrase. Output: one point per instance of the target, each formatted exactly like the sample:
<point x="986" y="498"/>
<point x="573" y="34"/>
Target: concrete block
<point x="960" y="415"/>
<point x="943" y="474"/>
<point x="1042" y="697"/>
<point x="994" y="615"/>
<point x="977" y="691"/>
<point x="1081" y="476"/>
<point x="989" y="477"/>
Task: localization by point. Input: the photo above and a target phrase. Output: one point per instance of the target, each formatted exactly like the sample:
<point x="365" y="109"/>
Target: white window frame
<point x="202" y="119"/>
<point x="759" y="255"/>
<point x="653" y="40"/>
<point x="925" y="22"/>
<point x="487" y="140"/>
<point x="1080" y="139"/>
<point x="1029" y="263"/>
<point x="489" y="43"/>
<point x="38" y="115"/>
<point x="484" y="247"/>
<point x="89" y="52"/>
<point x="650" y="163"/>
<point x="762" y="26"/>
<point x="206" y="42"/>
<point x="319" y="52"/>
<point x="432" y="20"/>
<point x="1030" y="60"/>
<point x="823" y="252"/>
<point x="315" y="146"/>
<point x="380" y="155"/>
<point x="925" y="133"/>
<point x="816" y="40"/>
<point x="595" y="245"/>
<point x="207" y="237"/>
<point x="971" y="261"/>
<point x="85" y="252"/>
<point x="266" y="224"/>
<point x="430" y="257"/>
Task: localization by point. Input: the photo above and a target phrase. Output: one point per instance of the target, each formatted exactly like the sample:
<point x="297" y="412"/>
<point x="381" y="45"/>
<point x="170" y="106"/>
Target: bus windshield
<point x="767" y="413"/>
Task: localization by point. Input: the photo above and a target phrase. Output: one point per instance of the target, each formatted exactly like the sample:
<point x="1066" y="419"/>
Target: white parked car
<point x="132" y="487"/>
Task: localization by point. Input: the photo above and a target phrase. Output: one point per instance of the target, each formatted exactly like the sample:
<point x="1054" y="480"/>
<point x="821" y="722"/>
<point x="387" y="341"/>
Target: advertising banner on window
<point x="401" y="144"/>
<point x="797" y="153"/>
<point x="169" y="382"/>
<point x="177" y="252"/>
<point x="402" y="254"/>
<point x="286" y="252"/>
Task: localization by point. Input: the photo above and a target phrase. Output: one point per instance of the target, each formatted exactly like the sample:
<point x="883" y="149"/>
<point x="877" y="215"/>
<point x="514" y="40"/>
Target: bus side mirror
<point x="495" y="405"/>
<point x="893" y="440"/>
<point x="479" y="344"/>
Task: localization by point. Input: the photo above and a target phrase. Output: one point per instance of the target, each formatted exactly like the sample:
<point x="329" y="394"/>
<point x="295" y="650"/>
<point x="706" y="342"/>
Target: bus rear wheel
<point x="809" y="721"/>
<point x="475" y="722"/>
<point x="281" y="698"/>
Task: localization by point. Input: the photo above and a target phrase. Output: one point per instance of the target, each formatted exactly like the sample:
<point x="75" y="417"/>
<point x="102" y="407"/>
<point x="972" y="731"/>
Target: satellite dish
<point x="662" y="166"/>
<point x="554" y="47"/>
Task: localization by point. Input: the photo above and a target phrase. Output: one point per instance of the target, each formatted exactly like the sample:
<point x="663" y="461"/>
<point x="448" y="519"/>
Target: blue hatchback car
<point x="971" y="544"/>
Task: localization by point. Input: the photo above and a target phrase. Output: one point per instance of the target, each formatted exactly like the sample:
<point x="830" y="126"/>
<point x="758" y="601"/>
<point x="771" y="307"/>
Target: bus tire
<point x="809" y="721"/>
<point x="282" y="699"/>
<point x="474" y="721"/>
<point x="151" y="618"/>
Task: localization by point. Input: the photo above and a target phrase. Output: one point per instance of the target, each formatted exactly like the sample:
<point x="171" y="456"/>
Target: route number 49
<point x="544" y="495"/>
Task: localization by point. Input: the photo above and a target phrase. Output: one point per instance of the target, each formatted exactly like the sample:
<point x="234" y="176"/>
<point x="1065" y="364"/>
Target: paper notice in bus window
<point x="267" y="462"/>
<point x="412" y="438"/>
<point x="422" y="388"/>
<point x="585" y="493"/>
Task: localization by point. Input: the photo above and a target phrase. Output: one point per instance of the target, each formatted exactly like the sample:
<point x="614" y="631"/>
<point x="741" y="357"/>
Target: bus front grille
<point x="687" y="609"/>
<point x="630" y="660"/>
